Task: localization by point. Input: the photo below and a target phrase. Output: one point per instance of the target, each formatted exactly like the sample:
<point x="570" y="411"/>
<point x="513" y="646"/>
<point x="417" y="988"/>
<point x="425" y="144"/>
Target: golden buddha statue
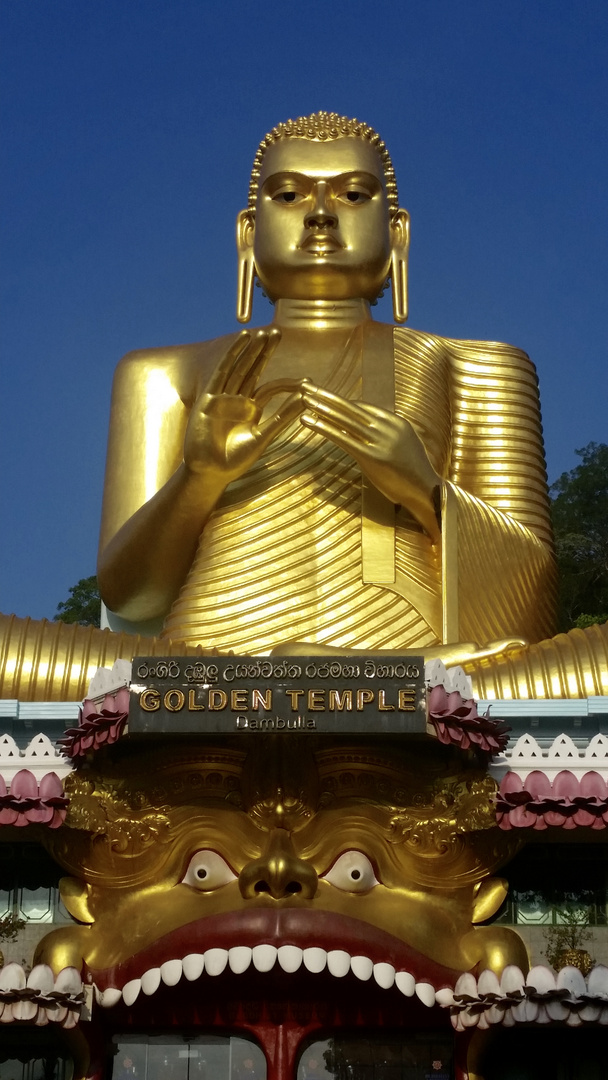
<point x="326" y="481"/>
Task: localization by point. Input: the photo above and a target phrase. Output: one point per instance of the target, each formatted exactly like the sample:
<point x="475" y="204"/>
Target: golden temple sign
<point x="346" y="695"/>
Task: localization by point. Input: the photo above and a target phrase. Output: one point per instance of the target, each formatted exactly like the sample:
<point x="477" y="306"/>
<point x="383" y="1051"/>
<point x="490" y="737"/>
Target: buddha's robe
<point x="301" y="548"/>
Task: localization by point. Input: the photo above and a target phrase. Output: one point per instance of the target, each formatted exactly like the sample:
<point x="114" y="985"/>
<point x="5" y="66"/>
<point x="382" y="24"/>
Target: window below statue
<point x="180" y="1057"/>
<point x="419" y="1055"/>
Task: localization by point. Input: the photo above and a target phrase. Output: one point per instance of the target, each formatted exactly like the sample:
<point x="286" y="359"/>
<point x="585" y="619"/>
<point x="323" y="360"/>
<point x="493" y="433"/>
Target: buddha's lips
<point x="320" y="242"/>
<point x="288" y="940"/>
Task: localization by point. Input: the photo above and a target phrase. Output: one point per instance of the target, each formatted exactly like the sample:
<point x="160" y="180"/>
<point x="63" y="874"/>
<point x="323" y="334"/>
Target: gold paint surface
<point x="425" y="823"/>
<point x="326" y="481"/>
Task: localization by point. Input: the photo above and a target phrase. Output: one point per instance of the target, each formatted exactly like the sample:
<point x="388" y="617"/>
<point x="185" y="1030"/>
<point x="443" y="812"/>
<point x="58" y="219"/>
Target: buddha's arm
<point x="168" y="466"/>
<point x="496" y="511"/>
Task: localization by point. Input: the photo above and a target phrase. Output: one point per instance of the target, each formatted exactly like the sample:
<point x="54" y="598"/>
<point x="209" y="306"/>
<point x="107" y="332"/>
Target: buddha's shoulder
<point x="483" y="355"/>
<point x="184" y="366"/>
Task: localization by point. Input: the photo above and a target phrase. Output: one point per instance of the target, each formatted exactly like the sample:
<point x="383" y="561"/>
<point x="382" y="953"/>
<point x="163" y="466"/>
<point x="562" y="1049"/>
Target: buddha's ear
<point x="245" y="228"/>
<point x="400" y="247"/>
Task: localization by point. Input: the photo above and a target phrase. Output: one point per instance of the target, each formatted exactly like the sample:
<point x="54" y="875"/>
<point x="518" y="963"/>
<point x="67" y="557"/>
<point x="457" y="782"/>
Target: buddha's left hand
<point x="386" y="446"/>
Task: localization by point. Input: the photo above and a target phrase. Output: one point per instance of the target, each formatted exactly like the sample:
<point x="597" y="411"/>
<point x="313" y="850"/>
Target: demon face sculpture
<point x="192" y="862"/>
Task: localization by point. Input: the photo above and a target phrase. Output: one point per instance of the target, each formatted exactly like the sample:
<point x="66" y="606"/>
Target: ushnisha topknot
<point x="322" y="126"/>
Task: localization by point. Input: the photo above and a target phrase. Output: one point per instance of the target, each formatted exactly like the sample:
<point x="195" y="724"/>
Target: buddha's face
<point x="322" y="225"/>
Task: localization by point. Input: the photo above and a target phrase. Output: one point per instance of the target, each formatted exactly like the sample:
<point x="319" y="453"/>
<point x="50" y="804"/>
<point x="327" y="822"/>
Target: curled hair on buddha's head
<point x="321" y="126"/>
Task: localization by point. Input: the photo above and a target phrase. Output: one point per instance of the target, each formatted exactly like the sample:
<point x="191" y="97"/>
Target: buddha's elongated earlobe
<point x="245" y="225"/>
<point x="400" y="245"/>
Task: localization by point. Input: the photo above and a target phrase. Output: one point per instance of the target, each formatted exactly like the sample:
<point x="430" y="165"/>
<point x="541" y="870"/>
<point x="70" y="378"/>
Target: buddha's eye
<point x="352" y="872"/>
<point x="354" y="195"/>
<point x="287" y="197"/>
<point x="206" y="871"/>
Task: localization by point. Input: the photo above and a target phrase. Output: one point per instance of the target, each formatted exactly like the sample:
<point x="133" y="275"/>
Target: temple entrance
<point x="417" y="1055"/>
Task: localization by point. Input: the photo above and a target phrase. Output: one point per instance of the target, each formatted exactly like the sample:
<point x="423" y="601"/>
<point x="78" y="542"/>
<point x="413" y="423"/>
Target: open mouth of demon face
<point x="271" y="945"/>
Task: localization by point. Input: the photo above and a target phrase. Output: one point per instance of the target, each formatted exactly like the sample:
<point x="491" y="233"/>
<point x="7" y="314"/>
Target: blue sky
<point x="128" y="129"/>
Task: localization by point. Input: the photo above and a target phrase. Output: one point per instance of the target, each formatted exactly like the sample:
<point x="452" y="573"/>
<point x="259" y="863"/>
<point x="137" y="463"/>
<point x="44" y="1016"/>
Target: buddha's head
<point x="323" y="221"/>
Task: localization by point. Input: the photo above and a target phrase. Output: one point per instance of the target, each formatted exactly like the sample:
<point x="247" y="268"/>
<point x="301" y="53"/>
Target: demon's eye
<point x="207" y="870"/>
<point x="352" y="872"/>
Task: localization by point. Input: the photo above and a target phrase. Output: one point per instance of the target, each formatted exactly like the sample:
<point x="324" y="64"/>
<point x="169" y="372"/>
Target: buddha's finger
<point x="494" y="648"/>
<point x="353" y="421"/>
<point x="266" y="343"/>
<point x="219" y="378"/>
<point x="271" y="389"/>
<point x="330" y="405"/>
<point x="247" y="362"/>
<point x="277" y="423"/>
<point x="353" y="444"/>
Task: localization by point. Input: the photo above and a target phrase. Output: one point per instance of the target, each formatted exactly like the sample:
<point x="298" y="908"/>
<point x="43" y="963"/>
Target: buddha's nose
<point x="279" y="872"/>
<point x="321" y="216"/>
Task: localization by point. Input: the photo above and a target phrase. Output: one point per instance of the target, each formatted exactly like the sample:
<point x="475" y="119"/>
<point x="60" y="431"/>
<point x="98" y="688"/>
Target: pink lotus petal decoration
<point x="27" y="803"/>
<point x="98" y="725"/>
<point x="569" y="802"/>
<point x="457" y="721"/>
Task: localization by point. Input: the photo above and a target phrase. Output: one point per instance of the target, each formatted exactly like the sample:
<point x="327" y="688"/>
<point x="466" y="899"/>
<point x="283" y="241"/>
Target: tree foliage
<point x="580" y="521"/>
<point x="83" y="605"/>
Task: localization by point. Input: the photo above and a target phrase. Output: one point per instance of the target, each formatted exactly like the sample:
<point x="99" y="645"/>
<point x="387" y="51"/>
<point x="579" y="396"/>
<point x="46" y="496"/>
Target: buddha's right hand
<point x="225" y="435"/>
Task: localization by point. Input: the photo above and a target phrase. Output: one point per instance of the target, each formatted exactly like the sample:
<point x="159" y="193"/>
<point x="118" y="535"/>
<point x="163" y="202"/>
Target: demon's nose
<point x="279" y="872"/>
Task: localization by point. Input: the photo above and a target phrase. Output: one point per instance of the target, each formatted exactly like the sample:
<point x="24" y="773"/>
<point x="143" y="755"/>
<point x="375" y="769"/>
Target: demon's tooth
<point x="384" y="974"/>
<point x="445" y="996"/>
<point x="171" y="972"/>
<point x="426" y="993"/>
<point x="150" y="981"/>
<point x="406" y="983"/>
<point x="338" y="962"/>
<point x="362" y="967"/>
<point x="110" y="997"/>
<point x="239" y="958"/>
<point x="193" y="965"/>
<point x="215" y="961"/>
<point x="264" y="957"/>
<point x="130" y="991"/>
<point x="314" y="960"/>
<point x="290" y="958"/>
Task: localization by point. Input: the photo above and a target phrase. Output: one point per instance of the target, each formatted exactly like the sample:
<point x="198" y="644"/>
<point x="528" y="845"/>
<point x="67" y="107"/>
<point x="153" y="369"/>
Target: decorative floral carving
<point x="460" y="806"/>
